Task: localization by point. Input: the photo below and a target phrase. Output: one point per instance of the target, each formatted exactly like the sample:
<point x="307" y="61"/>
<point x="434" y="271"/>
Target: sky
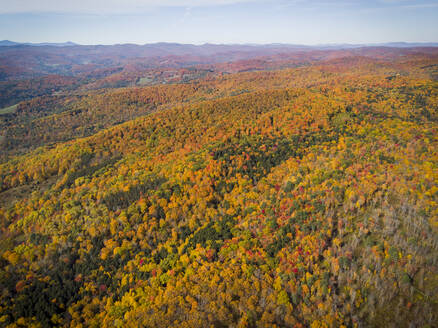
<point x="307" y="22"/>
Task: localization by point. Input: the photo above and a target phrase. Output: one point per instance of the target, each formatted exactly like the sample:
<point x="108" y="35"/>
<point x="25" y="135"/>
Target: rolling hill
<point x="266" y="190"/>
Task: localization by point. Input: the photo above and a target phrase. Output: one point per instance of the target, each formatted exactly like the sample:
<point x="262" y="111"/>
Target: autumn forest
<point x="273" y="187"/>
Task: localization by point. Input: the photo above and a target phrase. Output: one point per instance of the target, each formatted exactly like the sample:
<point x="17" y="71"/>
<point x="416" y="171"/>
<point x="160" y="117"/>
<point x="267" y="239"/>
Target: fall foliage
<point x="298" y="197"/>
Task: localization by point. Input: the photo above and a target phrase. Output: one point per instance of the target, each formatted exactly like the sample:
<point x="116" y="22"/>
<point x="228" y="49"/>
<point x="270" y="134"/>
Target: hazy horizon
<point x="69" y="42"/>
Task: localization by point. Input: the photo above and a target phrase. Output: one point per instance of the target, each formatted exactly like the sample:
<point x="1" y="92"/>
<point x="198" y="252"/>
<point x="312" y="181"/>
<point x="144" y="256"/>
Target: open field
<point x="8" y="110"/>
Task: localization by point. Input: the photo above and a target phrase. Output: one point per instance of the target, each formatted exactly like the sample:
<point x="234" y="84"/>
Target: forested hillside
<point x="290" y="197"/>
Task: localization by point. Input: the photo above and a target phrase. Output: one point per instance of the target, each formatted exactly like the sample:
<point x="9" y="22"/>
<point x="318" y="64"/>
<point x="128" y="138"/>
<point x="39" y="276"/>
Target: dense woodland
<point x="291" y="197"/>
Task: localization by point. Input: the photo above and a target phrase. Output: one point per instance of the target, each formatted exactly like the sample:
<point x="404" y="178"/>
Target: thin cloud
<point x="421" y="5"/>
<point x="412" y="4"/>
<point x="102" y="6"/>
<point x="394" y="1"/>
<point x="409" y="4"/>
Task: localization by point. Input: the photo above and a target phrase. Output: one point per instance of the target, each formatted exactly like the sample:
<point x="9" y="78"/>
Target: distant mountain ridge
<point x="9" y="43"/>
<point x="213" y="45"/>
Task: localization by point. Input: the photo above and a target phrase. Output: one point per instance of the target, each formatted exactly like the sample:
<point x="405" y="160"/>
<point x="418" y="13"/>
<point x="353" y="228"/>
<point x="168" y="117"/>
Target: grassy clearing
<point x="8" y="110"/>
<point x="145" y="81"/>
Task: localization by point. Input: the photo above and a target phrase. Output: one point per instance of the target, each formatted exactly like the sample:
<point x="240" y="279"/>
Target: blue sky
<point x="219" y="21"/>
